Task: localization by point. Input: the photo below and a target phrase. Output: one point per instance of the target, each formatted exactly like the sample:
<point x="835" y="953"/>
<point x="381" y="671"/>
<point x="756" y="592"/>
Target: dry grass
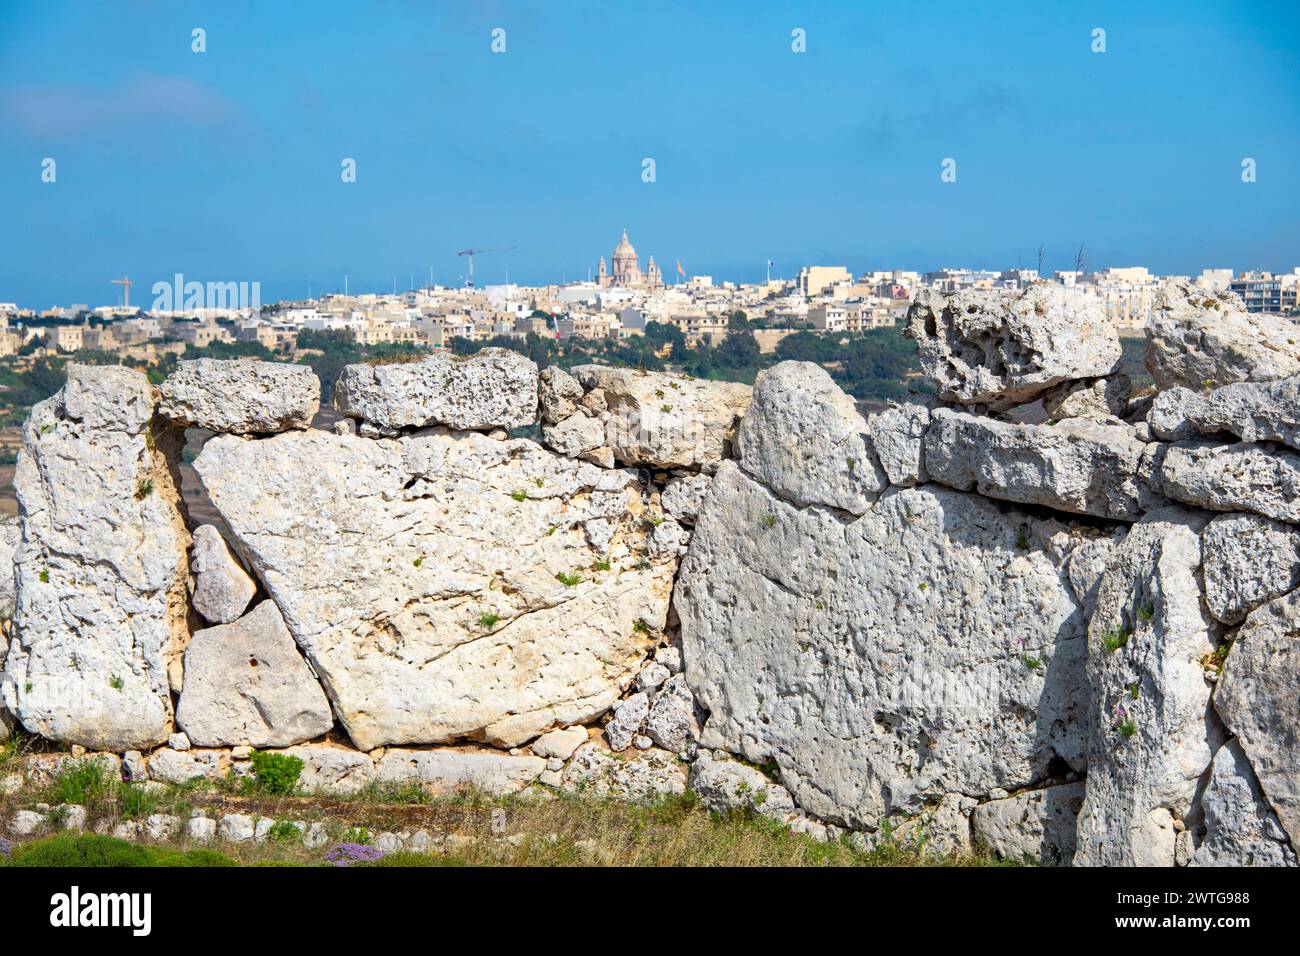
<point x="539" y="828"/>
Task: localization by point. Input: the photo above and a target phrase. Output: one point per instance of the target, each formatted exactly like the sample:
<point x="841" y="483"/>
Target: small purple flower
<point x="347" y="853"/>
<point x="1120" y="712"/>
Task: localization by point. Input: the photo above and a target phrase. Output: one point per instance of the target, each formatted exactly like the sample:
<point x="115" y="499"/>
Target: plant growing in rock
<point x="116" y="682"/>
<point x="1215" y="660"/>
<point x="769" y="521"/>
<point x="143" y="489"/>
<point x="45" y="575"/>
<point x="602" y="564"/>
<point x="274" y="773"/>
<point x="488" y="619"/>
<point x="1147" y="611"/>
<point x="418" y="561"/>
<point x="284" y="831"/>
<point x="1124" y="724"/>
<point x="1115" y="639"/>
<point x="518" y="495"/>
<point x="1022" y="540"/>
<point x="568" y="580"/>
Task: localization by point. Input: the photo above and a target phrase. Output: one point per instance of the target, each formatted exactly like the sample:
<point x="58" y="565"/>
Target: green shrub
<point x="97" y="850"/>
<point x="275" y="773"/>
<point x="568" y="580"/>
<point x="137" y="802"/>
<point x="80" y="781"/>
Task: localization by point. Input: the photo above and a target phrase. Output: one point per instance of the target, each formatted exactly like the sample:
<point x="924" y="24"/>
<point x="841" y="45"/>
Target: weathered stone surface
<point x="804" y="439"/>
<point x="332" y="770"/>
<point x="179" y="767"/>
<point x="1252" y="411"/>
<point x="1077" y="465"/>
<point x="626" y="723"/>
<point x="559" y="393"/>
<point x="10" y="539"/>
<point x="247" y="684"/>
<point x="445" y="771"/>
<point x="671" y="722"/>
<point x="1150" y="739"/>
<point x="1201" y="339"/>
<point x="724" y="785"/>
<point x="560" y="743"/>
<point x="641" y="775"/>
<point x="1036" y="825"/>
<point x="682" y="497"/>
<point x="1264" y="479"/>
<point x="1240" y="827"/>
<point x="885" y="661"/>
<point x="442" y="614"/>
<point x="1259" y="700"/>
<point x="102" y="575"/>
<point x="495" y="388"/>
<point x="1003" y="348"/>
<point x="1169" y="411"/>
<point x="662" y="420"/>
<point x="1085" y="566"/>
<point x="241" y="396"/>
<point x="897" y="435"/>
<point x="222" y="588"/>
<point x="1249" y="560"/>
<point x="1106" y="397"/>
<point x="106" y="397"/>
<point x="575" y="436"/>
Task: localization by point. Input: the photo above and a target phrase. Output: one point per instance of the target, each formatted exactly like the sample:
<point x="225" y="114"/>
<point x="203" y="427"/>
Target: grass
<point x="488" y="619"/>
<point x="570" y="830"/>
<point x="143" y="489"/>
<point x="568" y="580"/>
<point x="85" y="782"/>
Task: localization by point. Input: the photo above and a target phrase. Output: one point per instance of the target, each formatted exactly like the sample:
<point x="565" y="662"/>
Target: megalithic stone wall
<point x="1065" y="632"/>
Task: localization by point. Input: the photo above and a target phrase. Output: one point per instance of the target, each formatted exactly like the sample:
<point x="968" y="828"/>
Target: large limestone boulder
<point x="222" y="588"/>
<point x="444" y="585"/>
<point x="495" y="388"/>
<point x="1003" y="348"/>
<point x="1249" y="560"/>
<point x="246" y="683"/>
<point x="1034" y="825"/>
<point x="1240" y="829"/>
<point x="101" y="575"/>
<point x="1253" y="411"/>
<point x="1264" y="479"/>
<point x="1077" y="465"/>
<point x="448" y="770"/>
<point x="241" y="396"/>
<point x="1259" y="701"/>
<point x="1202" y="339"/>
<point x="334" y="770"/>
<point x="796" y="406"/>
<point x="927" y="648"/>
<point x="1150" y="739"/>
<point x="661" y="420"/>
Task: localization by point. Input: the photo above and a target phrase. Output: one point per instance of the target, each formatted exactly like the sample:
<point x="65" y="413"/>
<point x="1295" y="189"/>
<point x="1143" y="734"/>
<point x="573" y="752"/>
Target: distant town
<point x="618" y="303"/>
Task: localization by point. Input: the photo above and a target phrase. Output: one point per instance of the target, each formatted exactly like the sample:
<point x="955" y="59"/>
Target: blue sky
<point x="225" y="165"/>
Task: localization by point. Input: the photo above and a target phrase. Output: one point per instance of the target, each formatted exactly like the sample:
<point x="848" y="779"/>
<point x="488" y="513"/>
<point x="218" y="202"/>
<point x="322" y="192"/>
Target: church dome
<point x="624" y="248"/>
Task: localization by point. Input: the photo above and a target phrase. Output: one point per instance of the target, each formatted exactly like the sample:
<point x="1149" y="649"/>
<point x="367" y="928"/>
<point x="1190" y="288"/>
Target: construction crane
<point x="471" y="253"/>
<point x="126" y="284"/>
